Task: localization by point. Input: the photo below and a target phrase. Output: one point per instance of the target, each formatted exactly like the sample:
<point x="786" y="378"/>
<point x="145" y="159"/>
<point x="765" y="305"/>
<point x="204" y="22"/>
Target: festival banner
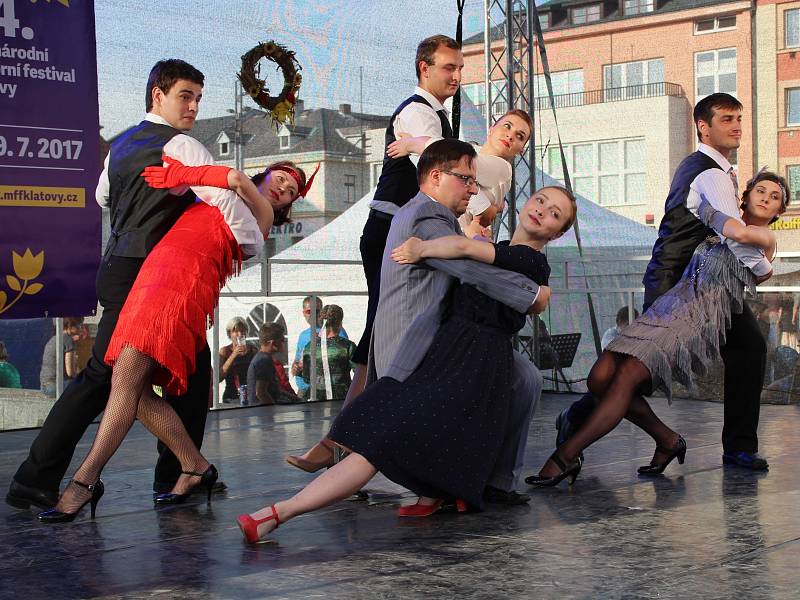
<point x="49" y="159"/>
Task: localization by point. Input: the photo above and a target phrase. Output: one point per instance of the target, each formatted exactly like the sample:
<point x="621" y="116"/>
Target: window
<point x="620" y="80"/>
<point x="610" y="173"/>
<point x="791" y="30"/>
<point x="284" y="139"/>
<point x="475" y="93"/>
<point x="350" y="188"/>
<point x="714" y="72"/>
<point x="585" y="14"/>
<point x="715" y="24"/>
<point x="224" y="148"/>
<point x="544" y="20"/>
<point x="638" y="7"/>
<point x="792" y="107"/>
<point x="375" y="174"/>
<point x="793" y="177"/>
<point x="564" y="82"/>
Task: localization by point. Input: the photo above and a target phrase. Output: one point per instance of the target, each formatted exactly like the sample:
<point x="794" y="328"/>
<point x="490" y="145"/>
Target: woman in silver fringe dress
<point x="677" y="337"/>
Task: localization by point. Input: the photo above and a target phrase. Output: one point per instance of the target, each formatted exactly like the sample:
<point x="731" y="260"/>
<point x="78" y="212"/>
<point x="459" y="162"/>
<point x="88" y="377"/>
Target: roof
<point x="662" y="6"/>
<point x="317" y="130"/>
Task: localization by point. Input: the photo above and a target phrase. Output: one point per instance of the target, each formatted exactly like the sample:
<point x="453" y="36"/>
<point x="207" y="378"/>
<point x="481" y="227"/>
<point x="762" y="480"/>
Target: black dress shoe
<point x="748" y="460"/>
<point x="22" y="496"/>
<point x="494" y="495"/>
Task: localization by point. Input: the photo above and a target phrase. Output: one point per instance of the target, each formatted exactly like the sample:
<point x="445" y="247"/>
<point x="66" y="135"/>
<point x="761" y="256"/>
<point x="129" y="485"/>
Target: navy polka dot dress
<point x="439" y="432"/>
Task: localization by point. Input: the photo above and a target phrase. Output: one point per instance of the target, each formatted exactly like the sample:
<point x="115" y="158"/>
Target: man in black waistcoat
<point x="438" y="63"/>
<point x="706" y="174"/>
<point x="140" y="216"/>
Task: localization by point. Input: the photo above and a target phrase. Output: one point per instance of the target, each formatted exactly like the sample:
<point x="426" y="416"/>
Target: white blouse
<point x="494" y="181"/>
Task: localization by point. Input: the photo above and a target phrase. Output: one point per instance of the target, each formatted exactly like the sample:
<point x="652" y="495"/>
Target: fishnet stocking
<point x="131" y="393"/>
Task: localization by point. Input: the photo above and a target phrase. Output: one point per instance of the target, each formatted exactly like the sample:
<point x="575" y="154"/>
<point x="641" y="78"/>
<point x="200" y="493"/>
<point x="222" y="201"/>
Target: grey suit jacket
<point x="412" y="297"/>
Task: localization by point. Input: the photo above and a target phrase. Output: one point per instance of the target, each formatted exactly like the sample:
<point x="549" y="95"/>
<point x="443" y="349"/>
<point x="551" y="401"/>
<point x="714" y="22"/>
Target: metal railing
<point x="611" y="94"/>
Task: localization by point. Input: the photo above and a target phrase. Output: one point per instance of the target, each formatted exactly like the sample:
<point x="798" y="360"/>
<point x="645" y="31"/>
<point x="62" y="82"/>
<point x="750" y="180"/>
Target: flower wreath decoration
<point x="280" y="107"/>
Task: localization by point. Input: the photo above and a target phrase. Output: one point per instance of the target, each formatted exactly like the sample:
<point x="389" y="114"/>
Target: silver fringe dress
<point x="683" y="330"/>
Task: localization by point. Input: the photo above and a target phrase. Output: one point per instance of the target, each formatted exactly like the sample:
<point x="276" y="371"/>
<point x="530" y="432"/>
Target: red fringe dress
<point x="171" y="303"/>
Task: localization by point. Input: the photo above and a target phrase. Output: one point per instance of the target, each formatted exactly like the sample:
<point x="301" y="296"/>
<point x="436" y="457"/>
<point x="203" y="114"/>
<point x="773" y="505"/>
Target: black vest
<point x="140" y="215"/>
<point x="680" y="231"/>
<point x="398" y="180"/>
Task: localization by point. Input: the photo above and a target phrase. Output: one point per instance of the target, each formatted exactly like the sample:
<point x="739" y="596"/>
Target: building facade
<point x="776" y="43"/>
<point x="626" y="75"/>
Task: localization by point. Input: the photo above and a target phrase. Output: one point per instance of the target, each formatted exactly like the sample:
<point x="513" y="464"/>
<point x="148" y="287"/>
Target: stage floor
<point x="700" y="531"/>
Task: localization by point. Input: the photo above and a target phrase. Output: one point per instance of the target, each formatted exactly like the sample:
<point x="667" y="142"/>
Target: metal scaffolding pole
<point x="509" y="78"/>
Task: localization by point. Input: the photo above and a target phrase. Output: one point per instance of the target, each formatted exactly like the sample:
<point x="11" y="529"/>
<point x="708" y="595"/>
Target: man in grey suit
<point x="412" y="297"/>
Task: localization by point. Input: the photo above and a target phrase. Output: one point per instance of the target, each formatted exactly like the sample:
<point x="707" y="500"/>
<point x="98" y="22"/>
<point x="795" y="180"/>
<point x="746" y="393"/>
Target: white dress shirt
<point x="417" y="120"/>
<point x="716" y="187"/>
<point x="192" y="153"/>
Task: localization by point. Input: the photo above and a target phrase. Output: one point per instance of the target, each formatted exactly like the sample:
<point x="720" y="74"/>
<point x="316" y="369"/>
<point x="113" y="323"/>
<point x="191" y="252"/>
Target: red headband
<point x="301" y="190"/>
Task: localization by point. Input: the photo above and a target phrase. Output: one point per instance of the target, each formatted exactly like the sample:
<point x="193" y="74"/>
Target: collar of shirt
<point x="432" y="100"/>
<point x="718" y="158"/>
<point x="154" y="118"/>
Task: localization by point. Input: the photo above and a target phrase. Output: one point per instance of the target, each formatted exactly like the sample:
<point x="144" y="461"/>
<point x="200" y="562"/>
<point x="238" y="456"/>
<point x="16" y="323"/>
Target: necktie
<point x="732" y="174"/>
<point x="447" y="130"/>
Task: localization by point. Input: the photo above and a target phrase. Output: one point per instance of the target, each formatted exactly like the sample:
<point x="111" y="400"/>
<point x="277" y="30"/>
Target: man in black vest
<point x="706" y="174"/>
<point x="140" y="216"/>
<point x="438" y="62"/>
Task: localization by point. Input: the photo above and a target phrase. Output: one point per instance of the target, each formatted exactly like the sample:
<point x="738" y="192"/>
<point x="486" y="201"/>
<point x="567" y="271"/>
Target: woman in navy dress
<point x="439" y="432"/>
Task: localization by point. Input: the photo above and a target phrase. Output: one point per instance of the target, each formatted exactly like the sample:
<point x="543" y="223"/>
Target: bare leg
<point x="163" y="422"/>
<point x="132" y="372"/>
<point x="320" y="455"/>
<point x="629" y="376"/>
<point x="337" y="483"/>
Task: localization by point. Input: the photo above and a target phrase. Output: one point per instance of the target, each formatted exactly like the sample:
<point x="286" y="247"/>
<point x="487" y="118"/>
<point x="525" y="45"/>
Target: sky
<point x="331" y="38"/>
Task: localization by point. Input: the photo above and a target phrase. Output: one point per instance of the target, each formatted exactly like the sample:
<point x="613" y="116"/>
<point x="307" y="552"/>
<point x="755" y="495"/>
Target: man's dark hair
<point x="164" y="75"/>
<point x="622" y="315"/>
<point x="443" y="155"/>
<point x="428" y="46"/>
<point x="270" y="331"/>
<point x="704" y="110"/>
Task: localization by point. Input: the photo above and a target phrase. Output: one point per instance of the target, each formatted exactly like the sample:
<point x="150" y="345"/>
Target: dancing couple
<point x="177" y="234"/>
<point x="691" y="319"/>
<point x="445" y="418"/>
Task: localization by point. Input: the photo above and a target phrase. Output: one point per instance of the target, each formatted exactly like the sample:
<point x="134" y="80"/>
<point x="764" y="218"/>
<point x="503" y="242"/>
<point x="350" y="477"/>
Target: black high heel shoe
<point x="207" y="480"/>
<point x="56" y="516"/>
<point x="570" y="470"/>
<point x="677" y="451"/>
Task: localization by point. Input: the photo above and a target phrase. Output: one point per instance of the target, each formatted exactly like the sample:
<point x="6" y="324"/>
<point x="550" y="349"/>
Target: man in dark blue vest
<point x="140" y="216"/>
<point x="707" y="174"/>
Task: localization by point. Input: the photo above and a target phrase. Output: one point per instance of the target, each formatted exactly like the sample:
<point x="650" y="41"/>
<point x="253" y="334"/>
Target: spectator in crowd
<point x="302" y="341"/>
<point x="334" y="356"/>
<point x="622" y="323"/>
<point x="262" y="380"/>
<point x="235" y="359"/>
<point x="9" y="376"/>
<point x="47" y="374"/>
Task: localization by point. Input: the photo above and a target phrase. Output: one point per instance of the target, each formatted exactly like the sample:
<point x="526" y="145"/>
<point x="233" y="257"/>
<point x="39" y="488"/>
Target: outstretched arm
<point x="414" y="249"/>
<point x="175" y="174"/>
<point x="734" y="229"/>
<point x="512" y="289"/>
<point x="405" y="145"/>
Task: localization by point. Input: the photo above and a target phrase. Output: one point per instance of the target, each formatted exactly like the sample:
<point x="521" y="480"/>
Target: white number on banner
<point x="7" y="21"/>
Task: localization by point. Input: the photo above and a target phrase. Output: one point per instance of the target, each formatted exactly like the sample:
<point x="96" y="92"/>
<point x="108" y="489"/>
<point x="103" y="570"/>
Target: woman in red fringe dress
<point x="163" y="322"/>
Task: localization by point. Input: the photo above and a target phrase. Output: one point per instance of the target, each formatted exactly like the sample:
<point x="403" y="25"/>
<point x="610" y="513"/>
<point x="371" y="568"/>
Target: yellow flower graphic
<point x="61" y="2"/>
<point x="28" y="266"/>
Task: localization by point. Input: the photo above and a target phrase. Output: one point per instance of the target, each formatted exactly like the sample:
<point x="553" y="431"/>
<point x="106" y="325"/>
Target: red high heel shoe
<point x="426" y="510"/>
<point x="249" y="525"/>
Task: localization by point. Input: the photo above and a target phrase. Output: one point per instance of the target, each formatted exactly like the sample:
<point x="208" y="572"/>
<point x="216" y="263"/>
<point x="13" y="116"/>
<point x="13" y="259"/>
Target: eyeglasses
<point x="465" y="179"/>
